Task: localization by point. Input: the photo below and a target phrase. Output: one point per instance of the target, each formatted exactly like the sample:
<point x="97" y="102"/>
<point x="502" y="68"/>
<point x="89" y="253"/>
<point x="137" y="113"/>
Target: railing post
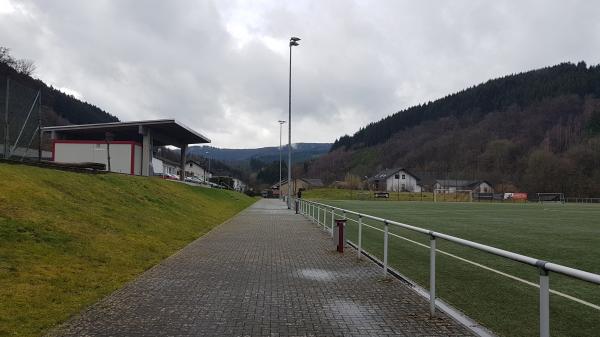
<point x="544" y="300"/>
<point x="332" y="219"/>
<point x="385" y="249"/>
<point x="432" y="275"/>
<point x="359" y="235"/>
<point x="318" y="215"/>
<point x="325" y="218"/>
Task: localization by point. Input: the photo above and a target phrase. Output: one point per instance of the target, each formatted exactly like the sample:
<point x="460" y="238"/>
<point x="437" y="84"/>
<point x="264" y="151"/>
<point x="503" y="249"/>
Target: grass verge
<point x="68" y="239"/>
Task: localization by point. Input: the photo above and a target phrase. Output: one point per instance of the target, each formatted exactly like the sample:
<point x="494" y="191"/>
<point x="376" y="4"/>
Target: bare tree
<point x="22" y="66"/>
<point x="5" y="56"/>
<point x="25" y="67"/>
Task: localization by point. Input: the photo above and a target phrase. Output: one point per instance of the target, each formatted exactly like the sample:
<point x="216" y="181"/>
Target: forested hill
<point x="537" y="131"/>
<point x="58" y="107"/>
<point x="302" y="152"/>
<point x="514" y="90"/>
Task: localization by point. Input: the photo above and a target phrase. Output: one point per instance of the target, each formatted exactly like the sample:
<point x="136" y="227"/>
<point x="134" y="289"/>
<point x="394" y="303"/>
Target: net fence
<point x="20" y="113"/>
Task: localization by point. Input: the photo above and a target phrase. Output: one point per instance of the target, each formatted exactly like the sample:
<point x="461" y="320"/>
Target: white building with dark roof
<point x="395" y="180"/>
<point x="453" y="185"/>
<point x="195" y="169"/>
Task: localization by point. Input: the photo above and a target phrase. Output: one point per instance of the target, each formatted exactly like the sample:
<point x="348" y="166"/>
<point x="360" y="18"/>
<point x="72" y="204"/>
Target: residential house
<point x="195" y="169"/>
<point x="239" y="185"/>
<point x="395" y="180"/>
<point x="298" y="184"/>
<point x="163" y="166"/>
<point x="475" y="186"/>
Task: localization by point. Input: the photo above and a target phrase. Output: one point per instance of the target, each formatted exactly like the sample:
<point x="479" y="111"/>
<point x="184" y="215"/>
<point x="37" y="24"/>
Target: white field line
<point x="575" y="299"/>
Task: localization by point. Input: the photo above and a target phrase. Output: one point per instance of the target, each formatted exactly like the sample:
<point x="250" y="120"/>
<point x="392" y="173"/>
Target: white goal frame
<point x="561" y="197"/>
<point x="449" y="191"/>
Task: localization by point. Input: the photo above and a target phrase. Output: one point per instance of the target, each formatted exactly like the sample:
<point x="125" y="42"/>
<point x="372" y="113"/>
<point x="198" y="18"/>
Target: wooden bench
<point x="381" y="195"/>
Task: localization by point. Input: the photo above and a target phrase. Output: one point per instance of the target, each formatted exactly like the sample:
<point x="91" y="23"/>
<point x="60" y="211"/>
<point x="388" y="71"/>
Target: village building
<point x="163" y="167"/>
<point x="229" y="183"/>
<point x="239" y="185"/>
<point x="298" y="184"/>
<point x="395" y="180"/>
<point x="195" y="169"/>
<point x="453" y="185"/>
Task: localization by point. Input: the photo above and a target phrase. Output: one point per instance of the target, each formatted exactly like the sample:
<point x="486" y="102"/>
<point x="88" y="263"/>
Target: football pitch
<point x="567" y="234"/>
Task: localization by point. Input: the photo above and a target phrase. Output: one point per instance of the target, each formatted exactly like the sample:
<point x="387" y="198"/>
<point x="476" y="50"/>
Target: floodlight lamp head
<point x="295" y="39"/>
<point x="293" y="43"/>
<point x="281" y="122"/>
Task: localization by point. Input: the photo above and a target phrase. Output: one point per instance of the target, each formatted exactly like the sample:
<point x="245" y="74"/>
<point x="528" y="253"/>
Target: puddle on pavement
<point x="317" y="274"/>
<point x="347" y="309"/>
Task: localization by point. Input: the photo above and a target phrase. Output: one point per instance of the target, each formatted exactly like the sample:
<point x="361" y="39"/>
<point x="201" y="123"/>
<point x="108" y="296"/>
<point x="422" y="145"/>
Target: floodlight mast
<point x="279" y="187"/>
<point x="293" y="42"/>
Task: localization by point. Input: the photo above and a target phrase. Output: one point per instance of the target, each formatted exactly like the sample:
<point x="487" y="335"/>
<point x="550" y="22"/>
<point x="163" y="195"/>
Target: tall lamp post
<point x="280" y="125"/>
<point x="208" y="156"/>
<point x="293" y="42"/>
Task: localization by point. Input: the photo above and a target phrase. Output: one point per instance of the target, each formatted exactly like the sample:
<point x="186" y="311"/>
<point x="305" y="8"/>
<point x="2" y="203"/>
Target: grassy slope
<point x="567" y="234"/>
<point x="68" y="239"/>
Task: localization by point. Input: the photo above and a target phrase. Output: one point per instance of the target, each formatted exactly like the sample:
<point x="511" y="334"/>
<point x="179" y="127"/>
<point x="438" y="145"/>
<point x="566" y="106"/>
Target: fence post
<point x="544" y="300"/>
<point x="432" y="275"/>
<point x="332" y="219"/>
<point x="319" y="215"/>
<point x="359" y="235"/>
<point x="385" y="249"/>
<point x="325" y="218"/>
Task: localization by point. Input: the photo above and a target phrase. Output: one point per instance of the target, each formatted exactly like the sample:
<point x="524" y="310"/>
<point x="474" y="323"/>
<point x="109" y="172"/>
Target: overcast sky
<point x="221" y="66"/>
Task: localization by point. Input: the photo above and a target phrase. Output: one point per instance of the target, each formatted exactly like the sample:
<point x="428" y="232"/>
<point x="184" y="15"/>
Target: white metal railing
<point x="313" y="210"/>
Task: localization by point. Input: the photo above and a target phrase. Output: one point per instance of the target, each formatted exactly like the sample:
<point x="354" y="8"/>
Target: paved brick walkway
<point x="267" y="272"/>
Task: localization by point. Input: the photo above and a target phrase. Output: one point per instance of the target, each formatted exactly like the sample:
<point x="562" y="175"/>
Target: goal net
<point x="444" y="194"/>
<point x="551" y="197"/>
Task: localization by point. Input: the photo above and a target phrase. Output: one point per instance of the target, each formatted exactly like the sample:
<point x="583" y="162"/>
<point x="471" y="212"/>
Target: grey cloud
<point x="221" y="66"/>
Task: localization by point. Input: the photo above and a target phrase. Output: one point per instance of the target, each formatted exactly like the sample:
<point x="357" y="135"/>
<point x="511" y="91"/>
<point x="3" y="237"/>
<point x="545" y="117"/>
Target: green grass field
<point x="68" y="239"/>
<point x="345" y="194"/>
<point x="566" y="234"/>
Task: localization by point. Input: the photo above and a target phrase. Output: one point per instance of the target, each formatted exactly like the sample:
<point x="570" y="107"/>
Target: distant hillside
<point x="537" y="131"/>
<point x="260" y="167"/>
<point x="301" y="152"/>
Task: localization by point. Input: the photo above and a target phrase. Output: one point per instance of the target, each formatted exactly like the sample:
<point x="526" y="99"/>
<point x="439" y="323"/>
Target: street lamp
<point x="280" y="125"/>
<point x="207" y="156"/>
<point x="293" y="42"/>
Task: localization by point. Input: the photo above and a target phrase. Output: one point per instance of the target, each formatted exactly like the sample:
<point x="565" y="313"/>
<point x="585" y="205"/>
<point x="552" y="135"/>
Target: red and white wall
<point x="125" y="156"/>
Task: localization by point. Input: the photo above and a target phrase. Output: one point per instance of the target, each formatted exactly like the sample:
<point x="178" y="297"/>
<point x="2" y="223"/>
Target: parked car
<point x="194" y="180"/>
<point x="170" y="176"/>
